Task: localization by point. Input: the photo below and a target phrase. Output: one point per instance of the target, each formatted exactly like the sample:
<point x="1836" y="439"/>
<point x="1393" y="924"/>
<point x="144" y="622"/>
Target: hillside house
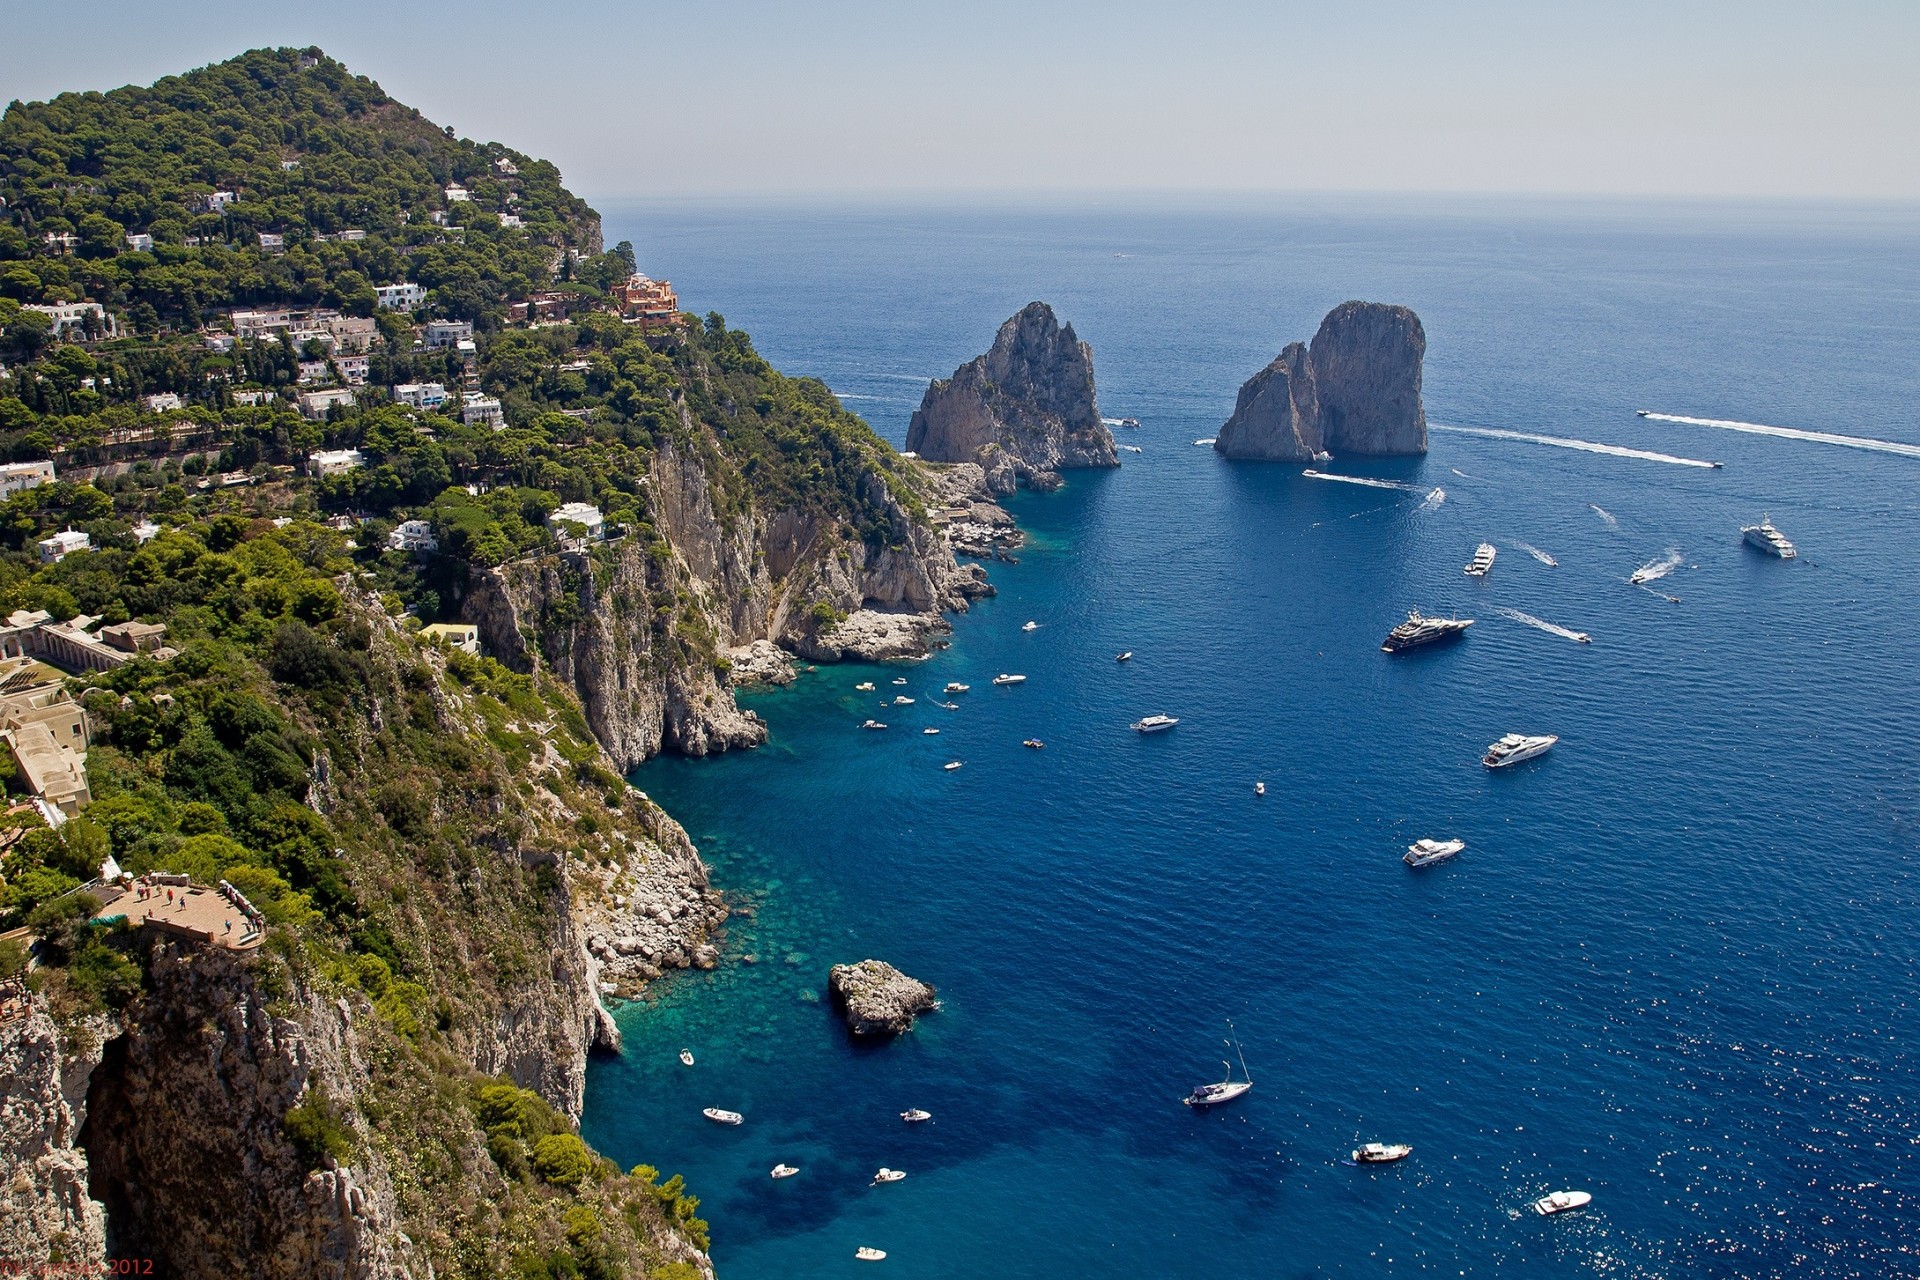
<point x="18" y="477"/>
<point x="335" y="462"/>
<point x="400" y="297"/>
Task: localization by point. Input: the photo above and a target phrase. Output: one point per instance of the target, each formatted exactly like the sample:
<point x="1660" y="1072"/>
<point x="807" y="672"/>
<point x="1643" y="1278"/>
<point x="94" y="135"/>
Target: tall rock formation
<point x="1356" y="391"/>
<point x="1024" y="411"/>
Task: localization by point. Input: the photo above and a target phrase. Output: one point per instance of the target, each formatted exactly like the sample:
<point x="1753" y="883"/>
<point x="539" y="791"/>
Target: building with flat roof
<point x="315" y="404"/>
<point x="17" y="477"/>
<point x="47" y="733"/>
<point x="482" y="410"/>
<point x="463" y="636"/>
<point x="585" y="515"/>
<point x="63" y="544"/>
<point x="400" y="297"/>
<point x="651" y="304"/>
<point x="335" y="462"/>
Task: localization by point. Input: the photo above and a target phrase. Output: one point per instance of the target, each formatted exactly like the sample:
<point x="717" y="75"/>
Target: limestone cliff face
<point x="46" y="1213"/>
<point x="1023" y="411"/>
<point x="1277" y="417"/>
<point x="1355" y="391"/>
<point x="638" y="628"/>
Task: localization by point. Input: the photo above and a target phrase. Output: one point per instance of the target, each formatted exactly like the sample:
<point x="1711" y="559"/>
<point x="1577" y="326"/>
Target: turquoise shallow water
<point x="1675" y="966"/>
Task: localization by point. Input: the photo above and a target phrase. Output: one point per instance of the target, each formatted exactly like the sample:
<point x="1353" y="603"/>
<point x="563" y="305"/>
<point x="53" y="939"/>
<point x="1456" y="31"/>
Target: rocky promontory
<point x="1024" y="411"/>
<point x="1355" y="391"/>
<point x="877" y="999"/>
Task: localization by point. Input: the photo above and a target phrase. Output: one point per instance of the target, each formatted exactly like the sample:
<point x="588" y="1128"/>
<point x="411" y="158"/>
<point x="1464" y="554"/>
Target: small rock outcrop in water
<point x="1023" y="411"/>
<point x="876" y="998"/>
<point x="1355" y="391"/>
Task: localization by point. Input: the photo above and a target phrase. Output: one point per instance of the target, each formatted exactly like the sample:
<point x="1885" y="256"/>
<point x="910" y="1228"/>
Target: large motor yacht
<point x="1515" y="747"/>
<point x="1768" y="539"/>
<point x="1154" y="724"/>
<point x="1482" y="560"/>
<point x="1420" y="630"/>
<point x="1424" y="853"/>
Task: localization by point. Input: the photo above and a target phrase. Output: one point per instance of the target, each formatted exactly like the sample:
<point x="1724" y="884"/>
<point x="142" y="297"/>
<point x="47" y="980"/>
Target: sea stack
<point x="1024" y="411"/>
<point x="877" y="999"/>
<point x="1355" y="391"/>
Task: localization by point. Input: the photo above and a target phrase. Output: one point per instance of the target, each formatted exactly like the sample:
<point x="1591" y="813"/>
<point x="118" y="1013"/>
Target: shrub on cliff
<point x="317" y="1132"/>
<point x="562" y="1160"/>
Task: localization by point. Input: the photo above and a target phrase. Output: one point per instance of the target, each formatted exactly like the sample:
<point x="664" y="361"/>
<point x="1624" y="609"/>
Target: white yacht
<point x="899" y="679"/>
<point x="1259" y="788"/>
<point x="903" y="701"/>
<point x="719" y="1116"/>
<point x="951" y="765"/>
<point x="1482" y="560"/>
<point x="1227" y="1089"/>
<point x="916" y="1116"/>
<point x="1004" y="678"/>
<point x="954" y="686"/>
<point x="1768" y="539"/>
<point x="1424" y="853"/>
<point x="929" y="730"/>
<point x="784" y="1171"/>
<point x="1033" y="744"/>
<point x="865" y="686"/>
<point x="1132" y="448"/>
<point x="1029" y="625"/>
<point x="872" y="724"/>
<point x="1154" y="724"/>
<point x="1561" y="1201"/>
<point x="1125" y="655"/>
<point x="686" y="1057"/>
<point x="1515" y="747"/>
<point x="888" y="1175"/>
<point x="1381" y="1152"/>
<point x="867" y="1253"/>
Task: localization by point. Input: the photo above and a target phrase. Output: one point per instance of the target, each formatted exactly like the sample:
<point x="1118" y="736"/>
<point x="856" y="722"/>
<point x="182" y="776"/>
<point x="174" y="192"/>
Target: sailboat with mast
<point x="1226" y="1090"/>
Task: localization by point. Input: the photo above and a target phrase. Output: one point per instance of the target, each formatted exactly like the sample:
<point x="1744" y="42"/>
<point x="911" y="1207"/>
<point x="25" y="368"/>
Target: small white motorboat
<point x="902" y="700"/>
<point x="1259" y="788"/>
<point x="1029" y="625"/>
<point x="1125" y="655"/>
<point x="916" y="1116"/>
<point x="929" y="729"/>
<point x="872" y="724"/>
<point x="1154" y="724"/>
<point x="867" y="1253"/>
<point x="899" y="679"/>
<point x="865" y="686"/>
<point x="1204" y="440"/>
<point x="686" y="1057"/>
<point x="784" y="1171"/>
<point x="1033" y="744"/>
<point x="951" y="765"/>
<point x="720" y="1116"/>
<point x="1004" y="678"/>
<point x="951" y="706"/>
<point x="1131" y="448"/>
<point x="954" y="686"/>
<point x="1424" y="853"/>
<point x="1381" y="1152"/>
<point x="1561" y="1201"/>
<point x="887" y="1175"/>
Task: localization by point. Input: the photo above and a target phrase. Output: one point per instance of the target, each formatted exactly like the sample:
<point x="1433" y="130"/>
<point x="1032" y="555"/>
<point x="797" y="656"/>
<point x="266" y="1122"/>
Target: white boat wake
<point x="1793" y="433"/>
<point x="1606" y="516"/>
<point x="1565" y="633"/>
<point x="1434" y="499"/>
<point x="1584" y="446"/>
<point x="1654" y="570"/>
<point x="1372" y="483"/>
<point x="1538" y="554"/>
<point x="1457" y="471"/>
<point x="1204" y="440"/>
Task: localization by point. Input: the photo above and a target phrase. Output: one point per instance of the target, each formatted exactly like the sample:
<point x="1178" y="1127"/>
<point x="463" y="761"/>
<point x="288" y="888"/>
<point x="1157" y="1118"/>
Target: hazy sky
<point x="742" y="96"/>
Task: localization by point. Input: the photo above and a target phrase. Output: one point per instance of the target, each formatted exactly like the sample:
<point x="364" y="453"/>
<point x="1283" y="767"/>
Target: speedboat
<point x="916" y="1116"/>
<point x="951" y="765"/>
<point x="1768" y="539"/>
<point x="899" y="679"/>
<point x="1034" y="743"/>
<point x="1641" y="413"/>
<point x="1126" y="655"/>
<point x="1561" y="1201"/>
<point x="865" y="686"/>
<point x="872" y="724"/>
<point x="1381" y="1152"/>
<point x="784" y="1171"/>
<point x="954" y="686"/>
<point x="1420" y="630"/>
<point x="887" y="1175"/>
<point x="1259" y="788"/>
<point x="686" y="1057"/>
<point x="1003" y="678"/>
<point x="1204" y="440"/>
<point x="1132" y="448"/>
<point x="1029" y="625"/>
<point x="1515" y="747"/>
<point x="1482" y="560"/>
<point x="929" y="729"/>
<point x="1424" y="853"/>
<point x="951" y="706"/>
<point x="719" y="1116"/>
<point x="1227" y="1089"/>
<point x="1129" y="422"/>
<point x="902" y="700"/>
<point x="868" y="1254"/>
<point x="1154" y="724"/>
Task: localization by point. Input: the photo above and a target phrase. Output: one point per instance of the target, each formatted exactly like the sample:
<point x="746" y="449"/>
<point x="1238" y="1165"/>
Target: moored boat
<point x="1003" y="679"/>
<point x="1259" y="788"/>
<point x="1029" y="625"/>
<point x="1424" y="853"/>
<point x="1381" y="1152"/>
<point x="1515" y="747"/>
<point x="872" y="724"/>
<point x="1420" y="630"/>
<point x="902" y="700"/>
<point x="686" y="1057"/>
<point x="1765" y="537"/>
<point x="954" y="686"/>
<point x="916" y="1116"/>
<point x="1154" y="724"/>
<point x="929" y="729"/>
<point x="1033" y="743"/>
<point x="899" y="679"/>
<point x="951" y="765"/>
<point x="866" y="1253"/>
<point x="865" y="686"/>
<point x="1482" y="560"/>
<point x="1226" y="1089"/>
<point x="784" y="1171"/>
<point x="721" y="1116"/>
<point x="1125" y="655"/>
<point x="887" y="1175"/>
<point x="1561" y="1201"/>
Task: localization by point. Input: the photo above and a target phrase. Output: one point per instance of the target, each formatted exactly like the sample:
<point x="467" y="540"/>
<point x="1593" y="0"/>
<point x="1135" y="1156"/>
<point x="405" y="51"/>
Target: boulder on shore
<point x="1355" y="391"/>
<point x="877" y="999"/>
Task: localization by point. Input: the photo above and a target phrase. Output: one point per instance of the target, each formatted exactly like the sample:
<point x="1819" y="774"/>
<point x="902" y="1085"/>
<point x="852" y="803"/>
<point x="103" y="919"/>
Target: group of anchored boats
<point x="1226" y="1089"/>
<point x="782" y="1171"/>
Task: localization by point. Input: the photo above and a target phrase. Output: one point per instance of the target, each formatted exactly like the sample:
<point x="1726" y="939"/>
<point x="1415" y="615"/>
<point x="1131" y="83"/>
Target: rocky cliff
<point x="1355" y="391"/>
<point x="46" y="1214"/>
<point x="1023" y="411"/>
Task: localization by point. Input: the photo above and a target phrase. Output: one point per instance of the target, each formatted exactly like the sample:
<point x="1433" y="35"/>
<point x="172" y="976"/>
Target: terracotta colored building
<point x="651" y="304"/>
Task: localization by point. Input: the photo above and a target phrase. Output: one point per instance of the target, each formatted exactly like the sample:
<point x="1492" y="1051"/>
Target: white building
<point x="71" y="317"/>
<point x="161" y="401"/>
<point x="335" y="462"/>
<point x="218" y="342"/>
<point x="252" y="398"/>
<point x="512" y="221"/>
<point x="315" y="404"/>
<point x="447" y="333"/>
<point x="584" y="514"/>
<point x="312" y="371"/>
<point x="413" y="535"/>
<point x="146" y="531"/>
<point x="17" y="477"/>
<point x="140" y="242"/>
<point x="272" y="240"/>
<point x="63" y="544"/>
<point x="219" y="200"/>
<point x="458" y="194"/>
<point x="463" y="636"/>
<point x="400" y="297"/>
<point x="421" y="395"/>
<point x="353" y="369"/>
<point x="475" y="410"/>
<point x="505" y="166"/>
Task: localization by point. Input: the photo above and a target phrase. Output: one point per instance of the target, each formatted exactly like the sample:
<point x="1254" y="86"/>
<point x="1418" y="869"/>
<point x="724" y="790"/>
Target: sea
<point x="1674" y="967"/>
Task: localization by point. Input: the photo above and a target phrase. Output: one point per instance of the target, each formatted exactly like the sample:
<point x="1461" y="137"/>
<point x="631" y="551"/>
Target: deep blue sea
<point x="1676" y="965"/>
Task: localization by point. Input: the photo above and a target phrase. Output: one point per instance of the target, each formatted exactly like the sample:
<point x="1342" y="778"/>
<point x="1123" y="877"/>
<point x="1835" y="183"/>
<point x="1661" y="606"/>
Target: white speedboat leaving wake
<point x="1654" y="570"/>
<point x="1371" y="482"/>
<point x="1457" y="471"/>
<point x="1793" y="433"/>
<point x="1434" y="499"/>
<point x="1552" y="629"/>
<point x="1606" y="516"/>
<point x="1585" y="446"/>
<point x="1538" y="554"/>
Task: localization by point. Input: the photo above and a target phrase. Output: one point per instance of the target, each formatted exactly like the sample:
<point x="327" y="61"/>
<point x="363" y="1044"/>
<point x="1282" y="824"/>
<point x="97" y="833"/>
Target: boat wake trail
<point x="1654" y="570"/>
<point x="1606" y="516"/>
<point x="1794" y="433"/>
<point x="1584" y="446"/>
<point x="1434" y="499"/>
<point x="1403" y="485"/>
<point x="1538" y="554"/>
<point x="1565" y="633"/>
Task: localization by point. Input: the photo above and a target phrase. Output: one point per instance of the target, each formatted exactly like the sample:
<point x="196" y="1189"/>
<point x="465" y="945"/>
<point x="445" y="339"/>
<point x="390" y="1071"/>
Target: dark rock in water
<point x="1277" y="417"/>
<point x="1366" y="368"/>
<point x="1023" y="410"/>
<point x="877" y="999"/>
<point x="1356" y="391"/>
